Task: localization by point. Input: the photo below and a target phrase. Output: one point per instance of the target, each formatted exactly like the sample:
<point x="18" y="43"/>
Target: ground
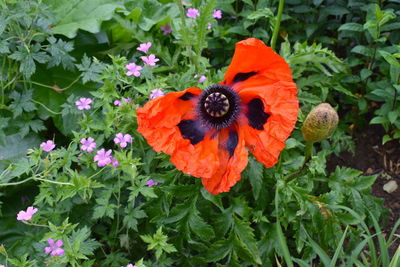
<point x="372" y="157"/>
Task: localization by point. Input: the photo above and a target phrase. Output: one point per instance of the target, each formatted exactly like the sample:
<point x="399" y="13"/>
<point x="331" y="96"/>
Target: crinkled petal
<point x="281" y="105"/>
<point x="232" y="161"/>
<point x="254" y="61"/>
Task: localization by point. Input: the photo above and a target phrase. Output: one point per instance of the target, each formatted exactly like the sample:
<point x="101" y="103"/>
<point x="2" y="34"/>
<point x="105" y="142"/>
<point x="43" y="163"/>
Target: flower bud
<point x="320" y="123"/>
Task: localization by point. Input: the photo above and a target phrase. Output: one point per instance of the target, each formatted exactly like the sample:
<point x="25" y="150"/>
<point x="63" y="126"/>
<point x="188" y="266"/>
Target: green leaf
<point x="22" y="102"/>
<point x="220" y="249"/>
<point x="389" y="58"/>
<point x="351" y="26"/>
<point x="199" y="226"/>
<point x="254" y="171"/>
<point x="245" y="234"/>
<point x="81" y="14"/>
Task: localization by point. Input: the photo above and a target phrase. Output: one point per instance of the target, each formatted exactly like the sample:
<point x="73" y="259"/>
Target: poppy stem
<point x="277" y="24"/>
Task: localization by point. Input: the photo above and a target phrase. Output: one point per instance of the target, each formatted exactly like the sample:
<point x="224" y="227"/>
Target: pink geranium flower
<point x="55" y="248"/>
<point x="114" y="162"/>
<point x="47" y="146"/>
<point x="144" y="47"/>
<point x="209" y="26"/>
<point x="117" y="103"/>
<point x="26" y="215"/>
<point x="156" y="93"/>
<point x="150" y="60"/>
<point x="202" y="78"/>
<point x="192" y="13"/>
<point x="166" y="29"/>
<point x="133" y="69"/>
<point x="127" y="100"/>
<point x="151" y="183"/>
<point x="129" y="265"/>
<point x="122" y="140"/>
<point x="88" y="144"/>
<point x="102" y="157"/>
<point x="217" y="14"/>
<point x="83" y="103"/>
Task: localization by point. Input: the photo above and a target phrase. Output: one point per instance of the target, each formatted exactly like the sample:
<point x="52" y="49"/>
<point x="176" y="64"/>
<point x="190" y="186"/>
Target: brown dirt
<point x="372" y="157"/>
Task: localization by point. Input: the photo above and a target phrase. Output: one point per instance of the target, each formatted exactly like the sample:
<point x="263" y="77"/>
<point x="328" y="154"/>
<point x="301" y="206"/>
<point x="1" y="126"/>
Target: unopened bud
<point x="320" y="123"/>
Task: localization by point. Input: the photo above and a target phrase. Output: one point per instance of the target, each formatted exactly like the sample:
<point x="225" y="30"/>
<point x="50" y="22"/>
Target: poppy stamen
<point x="219" y="106"/>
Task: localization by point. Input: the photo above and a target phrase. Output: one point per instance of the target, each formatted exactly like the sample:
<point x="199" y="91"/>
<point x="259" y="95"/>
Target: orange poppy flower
<point x="207" y="133"/>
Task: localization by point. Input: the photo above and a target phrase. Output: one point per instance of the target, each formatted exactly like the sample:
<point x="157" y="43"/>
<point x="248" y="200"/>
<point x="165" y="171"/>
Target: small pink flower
<point x="217" y="14"/>
<point x="133" y="69"/>
<point x="2" y="266"/>
<point x="151" y="183"/>
<point x="166" y="29"/>
<point x="209" y="26"/>
<point x="122" y="140"/>
<point x="127" y="100"/>
<point x="202" y="78"/>
<point x="195" y="76"/>
<point x="117" y="103"/>
<point x="114" y="162"/>
<point x="144" y="47"/>
<point x="102" y="157"/>
<point x="192" y="13"/>
<point x="55" y="248"/>
<point x="156" y="93"/>
<point x="88" y="145"/>
<point x="83" y="103"/>
<point x="26" y="215"/>
<point x="150" y="60"/>
<point x="47" y="146"/>
<point x="129" y="265"/>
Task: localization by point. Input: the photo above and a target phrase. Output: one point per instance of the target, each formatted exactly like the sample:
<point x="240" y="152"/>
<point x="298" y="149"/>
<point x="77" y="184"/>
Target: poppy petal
<point x="232" y="161"/>
<point x="168" y="124"/>
<point x="270" y="115"/>
<point x="157" y="120"/>
<point x="253" y="60"/>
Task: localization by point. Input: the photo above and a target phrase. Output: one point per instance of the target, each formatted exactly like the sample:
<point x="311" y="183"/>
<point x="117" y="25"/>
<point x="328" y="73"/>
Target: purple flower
<point x="144" y="47"/>
<point x="127" y="100"/>
<point x="209" y="26"/>
<point x="47" y="146"/>
<point x="156" y="93"/>
<point x="117" y="103"/>
<point x="2" y="266"/>
<point x="166" y="29"/>
<point x="55" y="248"/>
<point x="202" y="78"/>
<point x="122" y="140"/>
<point x="217" y="14"/>
<point x="26" y="215"/>
<point x="133" y="69"/>
<point x="192" y="13"/>
<point x="129" y="265"/>
<point x="114" y="162"/>
<point x="102" y="157"/>
<point x="88" y="145"/>
<point x="83" y="103"/>
<point x="150" y="60"/>
<point x="151" y="183"/>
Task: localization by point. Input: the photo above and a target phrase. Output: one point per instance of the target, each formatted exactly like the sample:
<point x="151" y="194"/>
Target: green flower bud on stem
<point x="320" y="123"/>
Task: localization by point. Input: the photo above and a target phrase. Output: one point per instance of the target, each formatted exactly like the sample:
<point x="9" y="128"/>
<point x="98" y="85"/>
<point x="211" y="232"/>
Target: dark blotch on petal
<point x="242" y="76"/>
<point x="186" y="96"/>
<point x="190" y="130"/>
<point x="256" y="115"/>
<point x="232" y="142"/>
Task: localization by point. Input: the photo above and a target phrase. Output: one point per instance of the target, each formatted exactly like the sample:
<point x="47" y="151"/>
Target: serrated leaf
<point x="219" y="250"/>
<point x="200" y="227"/>
<point x="245" y="234"/>
<point x="254" y="171"/>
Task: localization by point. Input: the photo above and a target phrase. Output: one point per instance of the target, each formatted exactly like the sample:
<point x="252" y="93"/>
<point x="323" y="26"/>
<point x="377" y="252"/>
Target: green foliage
<point x="52" y="53"/>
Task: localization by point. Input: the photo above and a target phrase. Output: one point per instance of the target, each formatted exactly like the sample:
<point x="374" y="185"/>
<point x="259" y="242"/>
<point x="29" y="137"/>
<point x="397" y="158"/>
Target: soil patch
<point x="372" y="157"/>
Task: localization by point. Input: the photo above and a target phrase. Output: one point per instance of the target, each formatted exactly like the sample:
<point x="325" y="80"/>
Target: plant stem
<point x="277" y="24"/>
<point x="46" y="108"/>
<point x="307" y="156"/>
<point x="35" y="178"/>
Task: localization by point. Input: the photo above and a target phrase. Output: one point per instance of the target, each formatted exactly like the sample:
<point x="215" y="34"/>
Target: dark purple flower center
<point x="218" y="106"/>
